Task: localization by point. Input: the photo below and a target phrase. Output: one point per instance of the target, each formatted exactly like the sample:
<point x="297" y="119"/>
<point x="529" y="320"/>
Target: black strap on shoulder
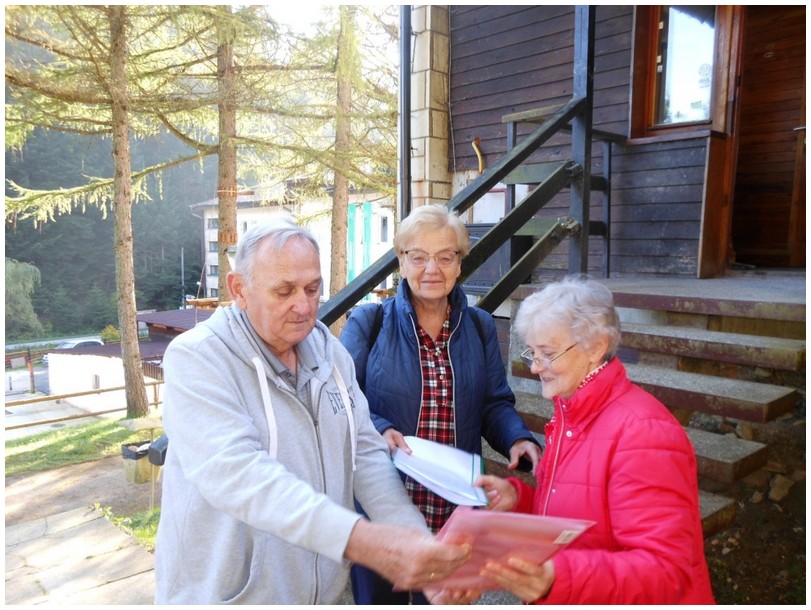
<point x="376" y="324"/>
<point x="478" y="323"/>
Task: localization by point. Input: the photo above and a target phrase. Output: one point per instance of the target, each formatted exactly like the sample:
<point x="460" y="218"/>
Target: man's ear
<point x="236" y="286"/>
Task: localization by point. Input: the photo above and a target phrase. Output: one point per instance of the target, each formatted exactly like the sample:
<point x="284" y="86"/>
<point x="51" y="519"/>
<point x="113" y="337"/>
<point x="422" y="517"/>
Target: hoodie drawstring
<point x="273" y="441"/>
<point x="348" y="408"/>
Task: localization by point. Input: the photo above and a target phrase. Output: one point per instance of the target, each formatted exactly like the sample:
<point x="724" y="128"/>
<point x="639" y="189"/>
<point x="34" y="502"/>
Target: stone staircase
<point x="729" y="351"/>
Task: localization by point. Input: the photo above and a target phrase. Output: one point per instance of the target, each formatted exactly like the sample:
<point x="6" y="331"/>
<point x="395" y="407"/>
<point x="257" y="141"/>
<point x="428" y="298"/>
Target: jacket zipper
<point x="453" y="374"/>
<point x="555" y="460"/>
<point x="316" y="426"/>
<point x="316" y="423"/>
<point x="419" y="366"/>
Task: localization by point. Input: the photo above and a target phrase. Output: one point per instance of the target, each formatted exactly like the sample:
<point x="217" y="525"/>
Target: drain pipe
<point x="405" y="110"/>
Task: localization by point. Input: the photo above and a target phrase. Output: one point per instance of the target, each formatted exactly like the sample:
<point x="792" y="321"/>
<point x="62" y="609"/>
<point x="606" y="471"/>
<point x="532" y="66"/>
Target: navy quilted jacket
<point x="391" y="377"/>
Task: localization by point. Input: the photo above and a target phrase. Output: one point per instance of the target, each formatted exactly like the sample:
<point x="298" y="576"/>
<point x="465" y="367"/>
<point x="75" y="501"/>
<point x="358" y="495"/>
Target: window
<point x="213" y="223"/>
<point x="213" y="293"/>
<point x="212" y="246"/>
<point x="384" y="229"/>
<point x="213" y="269"/>
<point x="683" y="59"/>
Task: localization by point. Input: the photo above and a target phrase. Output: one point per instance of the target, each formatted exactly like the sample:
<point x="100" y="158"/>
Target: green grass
<point x="142" y="526"/>
<point x="69" y="445"/>
<point x="78" y="444"/>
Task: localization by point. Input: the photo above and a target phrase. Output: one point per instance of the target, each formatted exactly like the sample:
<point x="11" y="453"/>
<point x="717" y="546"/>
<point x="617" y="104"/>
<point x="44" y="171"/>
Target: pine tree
<point x="283" y="99"/>
<point x="77" y="74"/>
<point x="21" y="279"/>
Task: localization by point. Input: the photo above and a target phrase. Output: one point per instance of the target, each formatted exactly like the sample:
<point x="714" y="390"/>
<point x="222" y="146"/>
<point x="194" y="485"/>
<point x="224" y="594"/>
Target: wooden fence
<point x="154" y="403"/>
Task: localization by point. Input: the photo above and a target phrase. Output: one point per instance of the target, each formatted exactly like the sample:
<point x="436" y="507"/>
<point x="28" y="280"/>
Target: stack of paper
<point x="447" y="471"/>
<point x="497" y="536"/>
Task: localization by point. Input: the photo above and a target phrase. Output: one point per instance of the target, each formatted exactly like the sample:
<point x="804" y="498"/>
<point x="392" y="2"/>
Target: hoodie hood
<point x="315" y="352"/>
<point x="232" y="326"/>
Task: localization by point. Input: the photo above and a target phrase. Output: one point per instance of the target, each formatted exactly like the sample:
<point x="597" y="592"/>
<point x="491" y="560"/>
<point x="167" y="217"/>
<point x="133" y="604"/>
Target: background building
<point x="369" y="234"/>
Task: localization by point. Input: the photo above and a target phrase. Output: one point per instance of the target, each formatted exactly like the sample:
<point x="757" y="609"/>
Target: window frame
<point x="643" y="91"/>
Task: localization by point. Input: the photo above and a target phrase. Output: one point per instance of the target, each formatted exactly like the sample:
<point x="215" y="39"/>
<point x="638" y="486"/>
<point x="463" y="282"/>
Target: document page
<point x="499" y="536"/>
<point x="447" y="471"/>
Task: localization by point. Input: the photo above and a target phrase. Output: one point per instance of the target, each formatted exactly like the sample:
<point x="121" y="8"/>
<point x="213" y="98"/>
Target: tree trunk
<point x="137" y="405"/>
<point x="227" y="160"/>
<point x="343" y="133"/>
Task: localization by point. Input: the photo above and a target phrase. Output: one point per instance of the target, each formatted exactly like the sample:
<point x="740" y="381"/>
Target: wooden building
<point x="709" y="100"/>
<point x="677" y="136"/>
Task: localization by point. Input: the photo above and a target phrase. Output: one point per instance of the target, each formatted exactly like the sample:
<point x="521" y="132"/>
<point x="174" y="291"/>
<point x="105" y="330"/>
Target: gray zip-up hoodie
<point x="257" y="500"/>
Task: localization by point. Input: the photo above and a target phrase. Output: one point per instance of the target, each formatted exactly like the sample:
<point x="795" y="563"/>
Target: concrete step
<point x="721" y="458"/>
<point x="775" y="298"/>
<point x="717" y="511"/>
<point x="736" y="348"/>
<point x="726" y="458"/>
<point x="688" y="392"/>
<point x="731" y="398"/>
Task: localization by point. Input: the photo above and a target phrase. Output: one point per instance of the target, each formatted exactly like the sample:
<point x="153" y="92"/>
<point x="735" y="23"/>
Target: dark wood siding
<point x="507" y="59"/>
<point x="772" y="106"/>
<point x="656" y="208"/>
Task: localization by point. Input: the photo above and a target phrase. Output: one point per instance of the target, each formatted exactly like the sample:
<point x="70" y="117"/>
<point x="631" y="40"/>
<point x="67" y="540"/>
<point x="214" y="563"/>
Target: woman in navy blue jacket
<point x="430" y="366"/>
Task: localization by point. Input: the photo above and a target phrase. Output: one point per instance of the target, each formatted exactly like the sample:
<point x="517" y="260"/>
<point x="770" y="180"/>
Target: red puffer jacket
<point x="615" y="455"/>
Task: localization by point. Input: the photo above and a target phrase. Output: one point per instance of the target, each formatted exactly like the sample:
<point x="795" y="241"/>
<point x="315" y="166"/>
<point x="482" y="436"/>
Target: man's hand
<point x="453" y="597"/>
<point x="409" y="558"/>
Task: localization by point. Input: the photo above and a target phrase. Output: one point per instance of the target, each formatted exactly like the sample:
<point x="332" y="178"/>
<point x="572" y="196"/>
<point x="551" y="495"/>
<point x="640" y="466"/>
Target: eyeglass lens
<point x="420" y="258"/>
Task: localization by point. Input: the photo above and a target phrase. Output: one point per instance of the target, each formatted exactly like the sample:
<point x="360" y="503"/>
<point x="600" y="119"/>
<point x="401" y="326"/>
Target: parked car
<point x="73" y="344"/>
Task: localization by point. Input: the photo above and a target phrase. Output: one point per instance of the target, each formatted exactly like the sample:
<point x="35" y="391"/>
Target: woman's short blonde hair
<point x="428" y="217"/>
<point x="583" y="305"/>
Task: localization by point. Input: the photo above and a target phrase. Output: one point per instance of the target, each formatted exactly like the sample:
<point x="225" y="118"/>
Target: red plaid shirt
<point x="436" y="421"/>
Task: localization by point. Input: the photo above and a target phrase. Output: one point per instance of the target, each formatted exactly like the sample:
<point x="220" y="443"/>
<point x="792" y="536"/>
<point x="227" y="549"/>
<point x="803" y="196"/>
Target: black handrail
<point x="354" y="291"/>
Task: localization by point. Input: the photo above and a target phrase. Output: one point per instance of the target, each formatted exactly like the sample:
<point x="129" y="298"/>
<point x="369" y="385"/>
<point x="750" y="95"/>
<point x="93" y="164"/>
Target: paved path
<point x="60" y="550"/>
<point x="76" y="557"/>
<point x="79" y="558"/>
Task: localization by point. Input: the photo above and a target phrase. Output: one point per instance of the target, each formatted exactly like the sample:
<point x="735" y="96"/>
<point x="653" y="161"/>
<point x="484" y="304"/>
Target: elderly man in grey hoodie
<point x="270" y="440"/>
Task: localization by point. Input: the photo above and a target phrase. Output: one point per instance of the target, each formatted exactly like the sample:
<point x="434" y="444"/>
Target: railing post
<point x="405" y="111"/>
<point x="607" y="152"/>
<point x="512" y="134"/>
<point x="581" y="136"/>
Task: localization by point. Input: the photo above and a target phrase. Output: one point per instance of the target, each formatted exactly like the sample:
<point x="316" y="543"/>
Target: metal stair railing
<point x="346" y="298"/>
<point x="533" y="173"/>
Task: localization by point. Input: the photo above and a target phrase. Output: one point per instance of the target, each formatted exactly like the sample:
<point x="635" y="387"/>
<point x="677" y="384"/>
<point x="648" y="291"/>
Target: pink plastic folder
<point x="499" y="536"/>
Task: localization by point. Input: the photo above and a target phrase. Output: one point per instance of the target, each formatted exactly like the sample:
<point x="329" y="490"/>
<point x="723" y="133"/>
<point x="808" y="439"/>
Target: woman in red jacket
<point x="614" y="455"/>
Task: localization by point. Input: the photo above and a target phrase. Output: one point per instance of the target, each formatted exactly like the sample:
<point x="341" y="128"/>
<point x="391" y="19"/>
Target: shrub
<point x="110" y="334"/>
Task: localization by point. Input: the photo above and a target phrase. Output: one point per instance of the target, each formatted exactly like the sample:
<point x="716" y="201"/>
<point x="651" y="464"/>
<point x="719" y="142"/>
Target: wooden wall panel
<point x="506" y="59"/>
<point x="772" y="106"/>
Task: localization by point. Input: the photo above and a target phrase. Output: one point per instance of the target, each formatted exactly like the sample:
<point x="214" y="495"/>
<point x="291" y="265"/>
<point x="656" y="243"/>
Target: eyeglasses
<point x="528" y="358"/>
<point x="443" y="258"/>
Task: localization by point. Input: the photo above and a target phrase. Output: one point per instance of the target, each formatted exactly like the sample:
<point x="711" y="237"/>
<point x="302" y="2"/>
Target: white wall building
<point x="369" y="235"/>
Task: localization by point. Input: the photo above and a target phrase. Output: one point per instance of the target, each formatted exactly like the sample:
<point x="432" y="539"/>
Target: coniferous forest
<point x="76" y="292"/>
<point x="119" y="118"/>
